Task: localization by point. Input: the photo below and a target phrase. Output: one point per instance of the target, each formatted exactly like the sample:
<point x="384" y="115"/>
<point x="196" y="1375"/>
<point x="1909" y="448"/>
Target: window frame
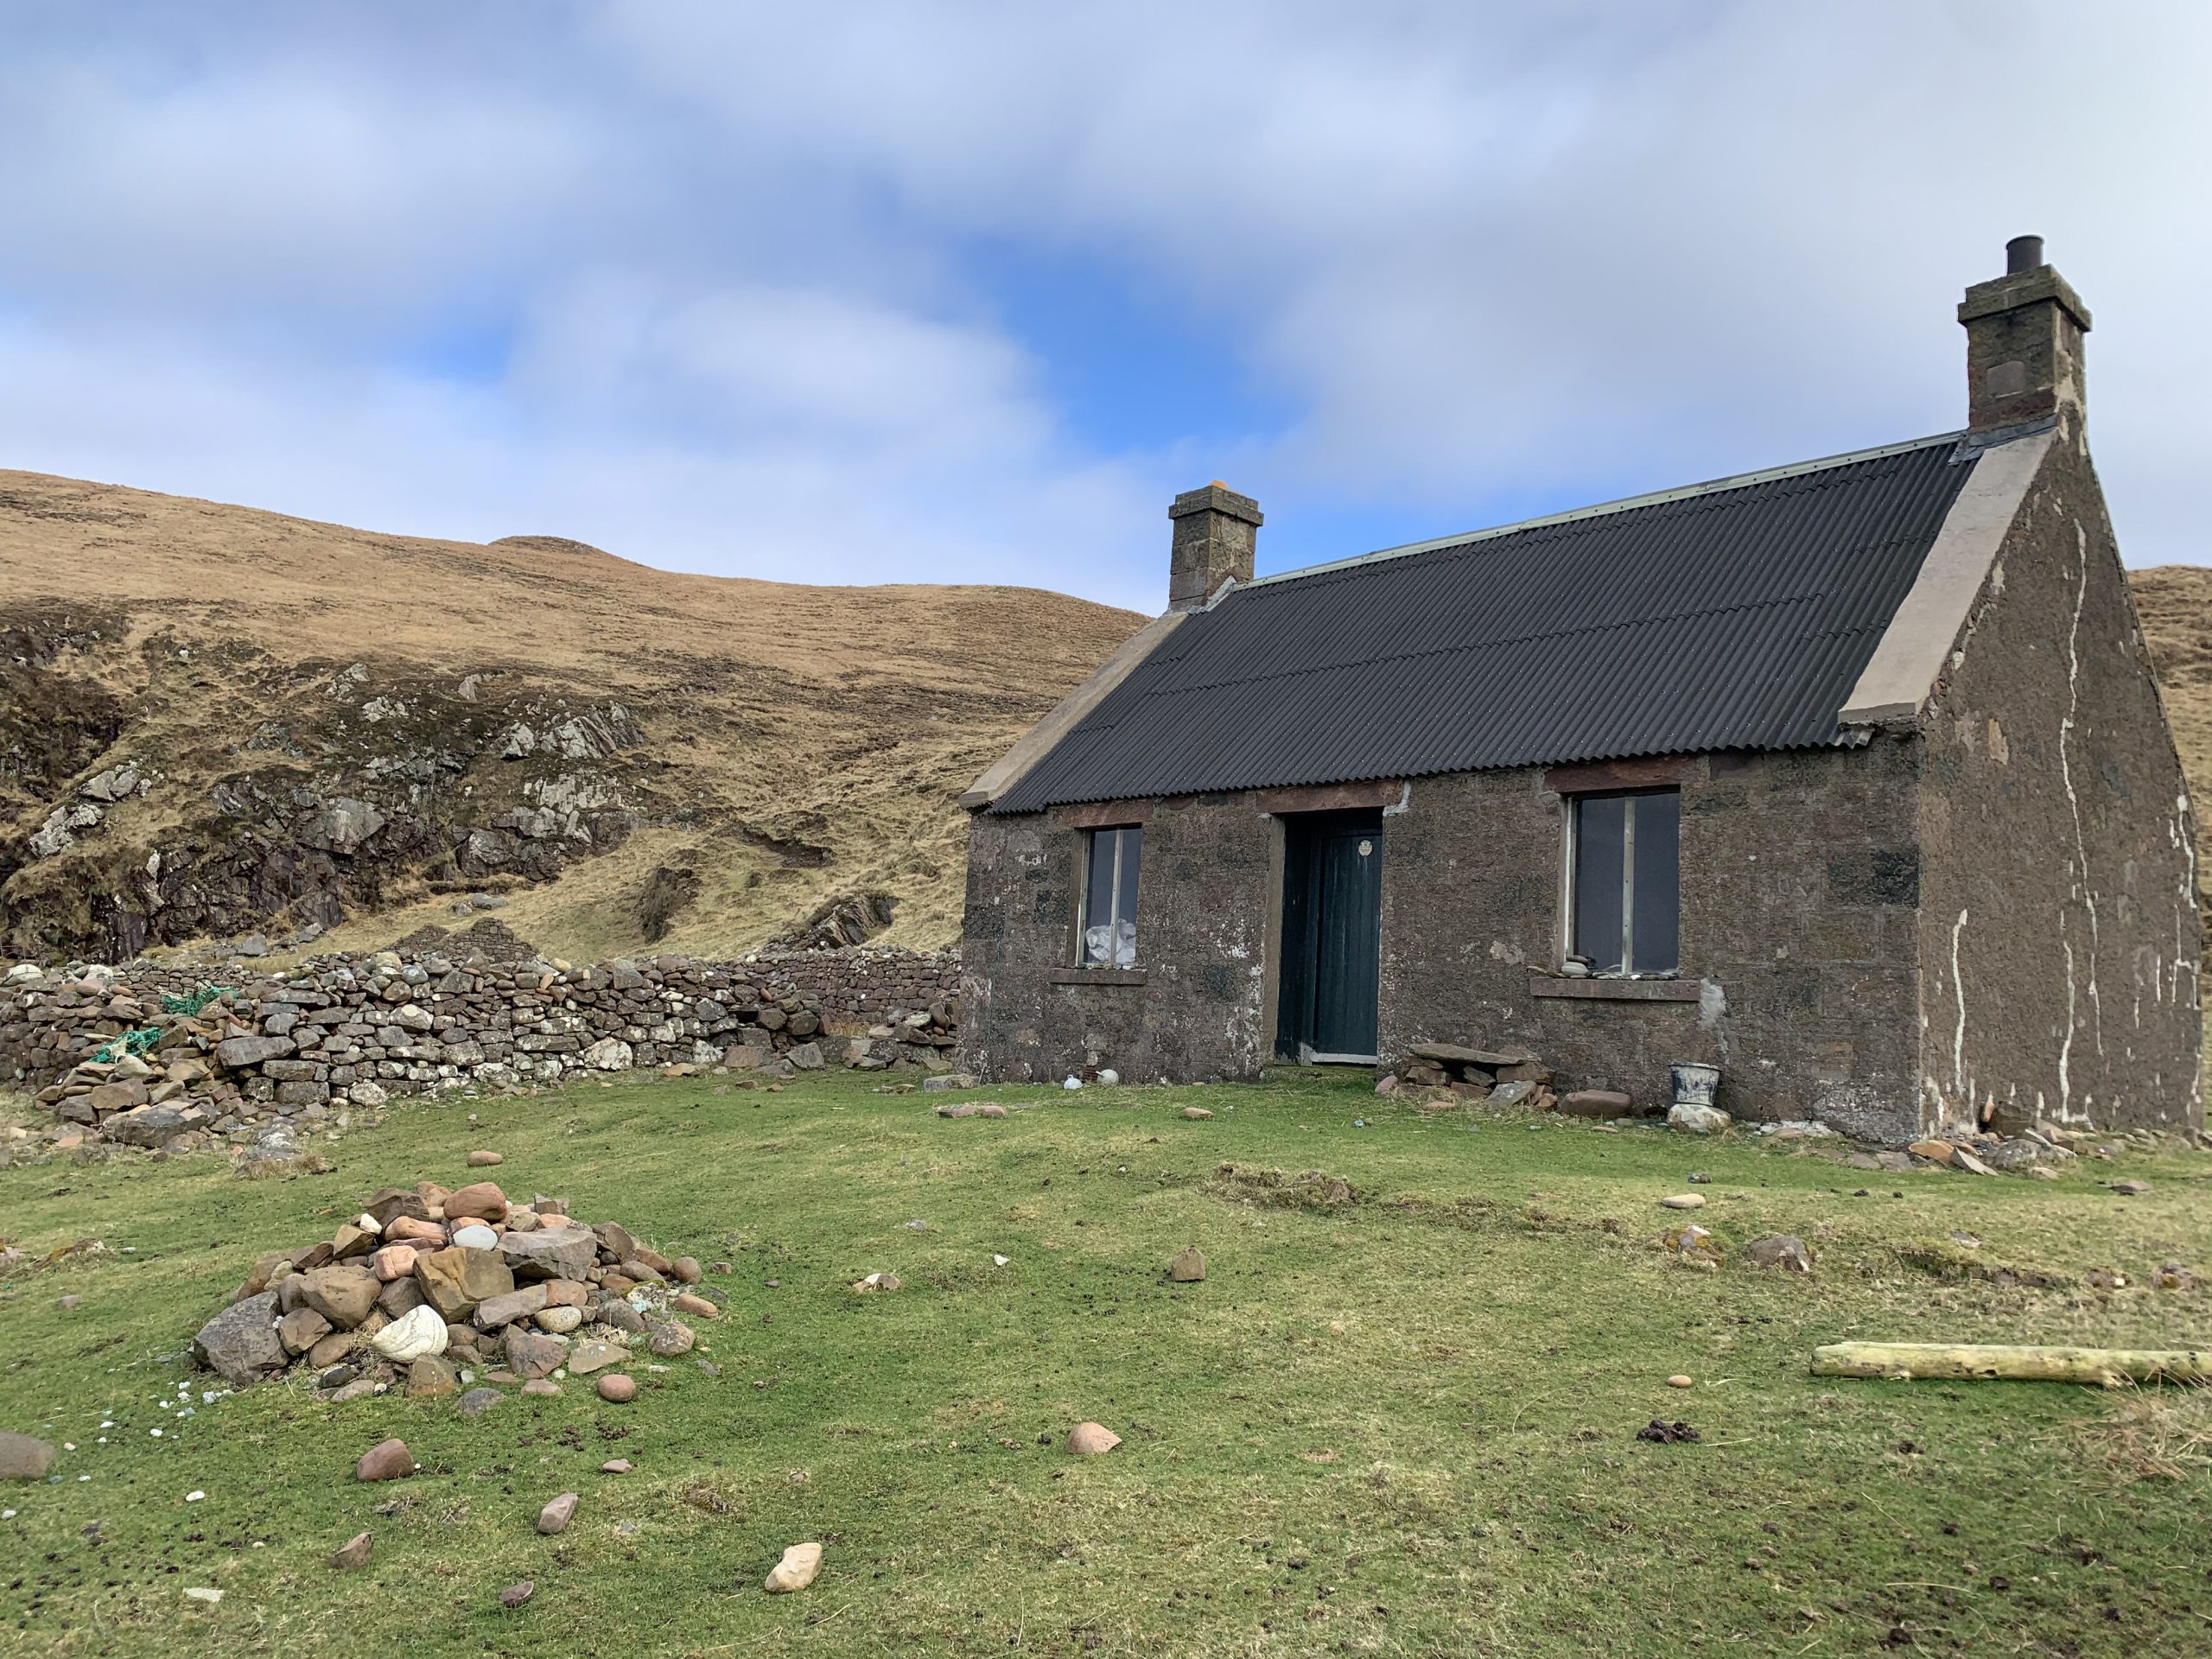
<point x="1571" y="879"/>
<point x="1113" y="917"/>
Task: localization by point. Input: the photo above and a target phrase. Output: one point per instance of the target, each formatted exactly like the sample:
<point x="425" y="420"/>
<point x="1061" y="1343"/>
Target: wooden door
<point x="1331" y="936"/>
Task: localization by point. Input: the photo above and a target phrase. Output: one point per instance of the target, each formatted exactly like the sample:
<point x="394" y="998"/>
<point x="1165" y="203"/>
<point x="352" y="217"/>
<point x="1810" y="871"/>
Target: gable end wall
<point x="2060" y="937"/>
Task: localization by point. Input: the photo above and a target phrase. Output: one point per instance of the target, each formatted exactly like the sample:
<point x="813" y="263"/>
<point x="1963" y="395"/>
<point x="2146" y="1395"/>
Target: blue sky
<point x="966" y="292"/>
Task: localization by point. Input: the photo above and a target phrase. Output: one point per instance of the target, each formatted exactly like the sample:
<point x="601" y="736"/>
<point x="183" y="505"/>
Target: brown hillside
<point x="333" y="727"/>
<point x="2175" y="602"/>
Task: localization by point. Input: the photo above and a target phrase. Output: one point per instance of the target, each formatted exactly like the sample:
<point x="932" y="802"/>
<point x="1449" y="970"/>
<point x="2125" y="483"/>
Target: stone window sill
<point x="1616" y="990"/>
<point x="1096" y="976"/>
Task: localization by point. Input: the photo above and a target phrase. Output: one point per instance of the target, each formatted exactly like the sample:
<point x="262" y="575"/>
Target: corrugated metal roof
<point x="1735" y="616"/>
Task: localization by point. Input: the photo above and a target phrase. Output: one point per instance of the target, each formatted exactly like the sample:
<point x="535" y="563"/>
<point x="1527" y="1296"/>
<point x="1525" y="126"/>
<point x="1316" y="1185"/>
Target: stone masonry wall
<point x="2059" y="970"/>
<point x="340" y="1031"/>
<point x="1799" y="882"/>
<point x="1192" y="1008"/>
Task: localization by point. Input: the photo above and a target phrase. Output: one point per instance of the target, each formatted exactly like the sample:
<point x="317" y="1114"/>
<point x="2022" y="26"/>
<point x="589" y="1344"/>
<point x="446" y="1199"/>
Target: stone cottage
<point x="1850" y="778"/>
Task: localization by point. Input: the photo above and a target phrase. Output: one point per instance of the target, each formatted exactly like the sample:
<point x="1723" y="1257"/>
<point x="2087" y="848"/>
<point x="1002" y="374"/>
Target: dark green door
<point x="1332" y="934"/>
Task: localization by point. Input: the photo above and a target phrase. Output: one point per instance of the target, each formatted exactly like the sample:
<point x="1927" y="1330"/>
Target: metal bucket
<point x="1694" y="1083"/>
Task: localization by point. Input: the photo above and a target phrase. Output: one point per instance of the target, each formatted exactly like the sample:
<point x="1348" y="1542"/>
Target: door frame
<point x="1290" y="827"/>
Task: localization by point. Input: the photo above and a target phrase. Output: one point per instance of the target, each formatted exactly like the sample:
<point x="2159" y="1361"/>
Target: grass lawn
<point x="1402" y="1424"/>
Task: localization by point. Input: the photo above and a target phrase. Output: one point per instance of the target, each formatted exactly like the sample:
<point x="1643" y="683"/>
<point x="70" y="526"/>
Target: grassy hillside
<point x="600" y="740"/>
<point x="2175" y="601"/>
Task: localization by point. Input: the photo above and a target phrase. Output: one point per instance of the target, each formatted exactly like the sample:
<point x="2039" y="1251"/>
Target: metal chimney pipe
<point x="2022" y="254"/>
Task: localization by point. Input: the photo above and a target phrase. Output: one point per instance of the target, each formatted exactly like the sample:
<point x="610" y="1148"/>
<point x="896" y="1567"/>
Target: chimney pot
<point x="1215" y="533"/>
<point x="2024" y="344"/>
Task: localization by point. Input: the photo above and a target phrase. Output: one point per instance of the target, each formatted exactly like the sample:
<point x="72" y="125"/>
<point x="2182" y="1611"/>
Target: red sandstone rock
<point x="390" y="1460"/>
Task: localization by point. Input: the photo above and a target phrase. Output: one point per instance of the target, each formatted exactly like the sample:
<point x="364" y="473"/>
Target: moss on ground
<point x="1398" y="1421"/>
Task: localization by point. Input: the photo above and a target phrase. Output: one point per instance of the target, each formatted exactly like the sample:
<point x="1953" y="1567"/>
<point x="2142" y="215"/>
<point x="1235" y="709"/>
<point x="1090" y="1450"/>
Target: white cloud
<point x="728" y="258"/>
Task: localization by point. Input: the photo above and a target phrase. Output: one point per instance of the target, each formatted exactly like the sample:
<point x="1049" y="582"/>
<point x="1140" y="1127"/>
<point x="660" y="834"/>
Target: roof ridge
<point x="1598" y="510"/>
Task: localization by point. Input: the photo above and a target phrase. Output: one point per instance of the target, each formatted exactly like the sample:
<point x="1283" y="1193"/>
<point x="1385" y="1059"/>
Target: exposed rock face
<point x="219" y="768"/>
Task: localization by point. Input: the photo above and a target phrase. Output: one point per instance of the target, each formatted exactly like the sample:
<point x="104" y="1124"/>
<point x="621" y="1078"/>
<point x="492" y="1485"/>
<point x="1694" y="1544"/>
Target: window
<point x="1624" y="875"/>
<point x="1109" y="898"/>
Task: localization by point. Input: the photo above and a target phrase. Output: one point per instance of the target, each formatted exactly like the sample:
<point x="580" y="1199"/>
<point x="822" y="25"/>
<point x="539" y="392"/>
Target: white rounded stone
<point x="475" y="1237"/>
<point x="416" y="1334"/>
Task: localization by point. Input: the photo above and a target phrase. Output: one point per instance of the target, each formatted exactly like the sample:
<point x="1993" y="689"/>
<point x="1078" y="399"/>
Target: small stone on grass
<point x="1091" y="1439"/>
<point x="388" y="1460"/>
<point x="798" y="1569"/>
<point x="353" y="1552"/>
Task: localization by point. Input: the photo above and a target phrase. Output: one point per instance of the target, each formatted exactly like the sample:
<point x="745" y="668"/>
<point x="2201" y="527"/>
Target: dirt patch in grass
<point x="1280" y="1189"/>
<point x="2153" y="1435"/>
<point x="1940" y="1258"/>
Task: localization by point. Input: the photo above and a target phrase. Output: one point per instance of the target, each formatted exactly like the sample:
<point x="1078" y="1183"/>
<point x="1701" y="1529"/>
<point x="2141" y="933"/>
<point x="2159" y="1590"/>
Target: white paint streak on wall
<point x="1959" y="1039"/>
<point x="2080" y="844"/>
<point x="2066" y="1046"/>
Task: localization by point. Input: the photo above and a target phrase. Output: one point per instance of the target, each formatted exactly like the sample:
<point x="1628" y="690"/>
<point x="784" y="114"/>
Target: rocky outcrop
<point x="344" y="790"/>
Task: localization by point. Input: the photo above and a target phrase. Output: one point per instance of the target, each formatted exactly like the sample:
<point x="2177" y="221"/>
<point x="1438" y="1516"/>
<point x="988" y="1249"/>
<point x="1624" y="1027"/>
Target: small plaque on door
<point x="1365" y="847"/>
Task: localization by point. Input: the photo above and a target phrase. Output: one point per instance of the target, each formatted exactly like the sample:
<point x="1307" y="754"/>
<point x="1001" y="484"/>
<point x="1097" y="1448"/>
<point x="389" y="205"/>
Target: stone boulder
<point x="343" y="1296"/>
<point x="1783" y="1250"/>
<point x="530" y="1356"/>
<point x="484" y="1200"/>
<point x="418" y="1334"/>
<point x="1604" y="1104"/>
<point x="146" y="1126"/>
<point x="236" y="1053"/>
<point x="240" y="1344"/>
<point x="1698" y="1120"/>
<point x="550" y="1253"/>
<point x="608" y="1054"/>
<point x="24" y="1457"/>
<point x="454" y="1280"/>
<point x="496" y="1310"/>
<point x="117" y="1095"/>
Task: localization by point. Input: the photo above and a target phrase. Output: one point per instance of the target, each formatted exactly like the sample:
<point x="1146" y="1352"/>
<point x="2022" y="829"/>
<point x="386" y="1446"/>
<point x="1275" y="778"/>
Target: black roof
<point x="1736" y="615"/>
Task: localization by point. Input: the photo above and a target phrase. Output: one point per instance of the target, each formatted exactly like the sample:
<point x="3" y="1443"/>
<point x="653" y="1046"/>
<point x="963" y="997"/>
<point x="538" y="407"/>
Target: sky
<point x="968" y="291"/>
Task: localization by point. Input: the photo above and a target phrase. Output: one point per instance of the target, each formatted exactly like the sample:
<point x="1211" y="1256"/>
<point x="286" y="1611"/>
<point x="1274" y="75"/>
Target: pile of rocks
<point x="424" y="1283"/>
<point x="352" y="1030"/>
<point x="1445" y="1074"/>
<point x="2042" y="1150"/>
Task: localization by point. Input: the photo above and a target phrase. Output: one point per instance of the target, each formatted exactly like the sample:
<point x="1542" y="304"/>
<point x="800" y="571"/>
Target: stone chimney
<point x="1214" y="529"/>
<point x="2024" y="343"/>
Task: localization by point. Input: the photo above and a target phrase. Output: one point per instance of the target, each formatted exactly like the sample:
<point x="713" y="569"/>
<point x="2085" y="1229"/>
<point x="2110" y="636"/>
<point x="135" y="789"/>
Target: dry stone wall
<point x="146" y="1054"/>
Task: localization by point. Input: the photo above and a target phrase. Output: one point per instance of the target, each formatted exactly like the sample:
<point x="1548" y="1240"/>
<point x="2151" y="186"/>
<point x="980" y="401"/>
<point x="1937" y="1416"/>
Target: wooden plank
<point x="1978" y="1362"/>
<point x="1103" y="815"/>
<point x="1646" y="772"/>
<point x="1617" y="990"/>
<point x="1329" y="798"/>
